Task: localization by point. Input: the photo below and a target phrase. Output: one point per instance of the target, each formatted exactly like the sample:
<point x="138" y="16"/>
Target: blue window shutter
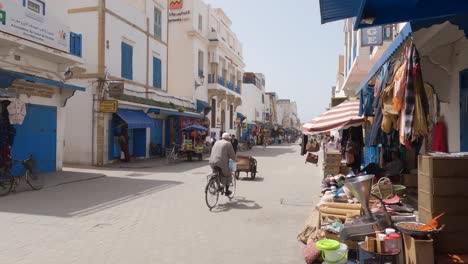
<point x="157" y="73"/>
<point x="72" y="43"/>
<point x="127" y="61"/>
<point x="79" y="42"/>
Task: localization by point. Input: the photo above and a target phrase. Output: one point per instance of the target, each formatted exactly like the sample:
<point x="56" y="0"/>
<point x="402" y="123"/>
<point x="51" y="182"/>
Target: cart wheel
<point x="253" y="174"/>
<point x="237" y="174"/>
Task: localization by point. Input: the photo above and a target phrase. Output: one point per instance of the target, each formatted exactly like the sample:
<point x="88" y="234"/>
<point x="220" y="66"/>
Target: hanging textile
<point x="407" y="115"/>
<point x="16" y="111"/>
<point x="381" y="81"/>
<point x="439" y="141"/>
<point x="420" y="128"/>
<point x="400" y="79"/>
<point x="366" y="101"/>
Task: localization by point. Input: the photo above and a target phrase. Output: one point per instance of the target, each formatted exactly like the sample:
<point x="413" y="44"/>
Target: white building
<point x="206" y="63"/>
<point x="359" y="57"/>
<point x="254" y="106"/>
<point x="34" y="68"/>
<point x="125" y="48"/>
<point x="287" y="114"/>
<point x="271" y="108"/>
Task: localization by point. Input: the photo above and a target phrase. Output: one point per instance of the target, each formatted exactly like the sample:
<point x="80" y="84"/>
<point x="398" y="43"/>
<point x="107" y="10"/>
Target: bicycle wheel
<point x="211" y="193"/>
<point x="35" y="181"/>
<point x="232" y="187"/>
<point x="6" y="184"/>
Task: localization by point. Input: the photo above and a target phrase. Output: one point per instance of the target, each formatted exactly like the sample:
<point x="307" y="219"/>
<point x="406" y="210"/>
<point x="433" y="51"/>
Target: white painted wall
<point x="252" y="102"/>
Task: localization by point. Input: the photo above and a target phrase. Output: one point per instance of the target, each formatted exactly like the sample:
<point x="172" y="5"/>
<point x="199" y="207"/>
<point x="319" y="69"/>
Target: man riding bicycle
<point x="221" y="153"/>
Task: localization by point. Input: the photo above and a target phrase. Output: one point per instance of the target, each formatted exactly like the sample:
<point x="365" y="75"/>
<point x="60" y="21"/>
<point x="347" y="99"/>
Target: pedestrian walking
<point x="235" y="143"/>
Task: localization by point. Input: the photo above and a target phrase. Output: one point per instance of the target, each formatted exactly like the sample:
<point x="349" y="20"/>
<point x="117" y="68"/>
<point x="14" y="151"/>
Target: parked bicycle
<point x="214" y="188"/>
<point x="172" y="154"/>
<point x="8" y="182"/>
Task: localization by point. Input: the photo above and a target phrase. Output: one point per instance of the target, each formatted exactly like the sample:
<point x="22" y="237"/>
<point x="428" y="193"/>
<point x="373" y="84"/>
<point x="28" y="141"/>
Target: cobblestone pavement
<point x="158" y="215"/>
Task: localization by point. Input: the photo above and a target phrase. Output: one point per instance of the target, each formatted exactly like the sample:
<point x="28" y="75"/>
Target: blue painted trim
<point x="7" y="78"/>
<point x="399" y="40"/>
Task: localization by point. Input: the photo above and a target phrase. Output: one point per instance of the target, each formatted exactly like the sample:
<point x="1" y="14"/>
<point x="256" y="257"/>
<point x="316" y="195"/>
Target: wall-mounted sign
<point x="108" y="106"/>
<point x="371" y="37"/>
<point x="176" y="4"/>
<point x="179" y="16"/>
<point x="388" y="32"/>
<point x="29" y="20"/>
<point x="116" y="89"/>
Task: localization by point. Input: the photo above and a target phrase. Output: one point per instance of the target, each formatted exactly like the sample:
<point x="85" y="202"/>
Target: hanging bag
<point x="312" y="158"/>
<point x="313" y="145"/>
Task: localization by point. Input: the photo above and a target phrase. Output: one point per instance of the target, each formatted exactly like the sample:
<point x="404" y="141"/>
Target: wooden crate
<point x="418" y="251"/>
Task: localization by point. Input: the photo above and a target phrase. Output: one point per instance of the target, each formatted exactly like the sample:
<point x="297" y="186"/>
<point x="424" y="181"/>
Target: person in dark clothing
<point x="124" y="144"/>
<point x="235" y="143"/>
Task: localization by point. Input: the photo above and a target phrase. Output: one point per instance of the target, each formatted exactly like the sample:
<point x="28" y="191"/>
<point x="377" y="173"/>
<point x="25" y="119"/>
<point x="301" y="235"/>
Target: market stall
<point x="194" y="142"/>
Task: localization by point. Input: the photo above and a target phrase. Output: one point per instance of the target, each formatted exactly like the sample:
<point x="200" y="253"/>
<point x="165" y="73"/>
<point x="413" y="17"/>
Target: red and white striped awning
<point x="341" y="116"/>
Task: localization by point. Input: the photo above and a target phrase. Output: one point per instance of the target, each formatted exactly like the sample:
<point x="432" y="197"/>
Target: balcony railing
<point x="200" y="73"/>
<point x="221" y="81"/>
<point x="230" y="86"/>
<point x="238" y="90"/>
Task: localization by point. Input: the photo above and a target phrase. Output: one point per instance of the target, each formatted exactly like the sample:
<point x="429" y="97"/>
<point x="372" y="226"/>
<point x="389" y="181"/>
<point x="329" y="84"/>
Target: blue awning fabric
<point x="384" y="12"/>
<point x="175" y="113"/>
<point x="135" y="118"/>
<point x="203" y="106"/>
<point x="7" y="78"/>
<point x="396" y="44"/>
<point x="333" y="10"/>
<point x="195" y="128"/>
<point x="241" y="116"/>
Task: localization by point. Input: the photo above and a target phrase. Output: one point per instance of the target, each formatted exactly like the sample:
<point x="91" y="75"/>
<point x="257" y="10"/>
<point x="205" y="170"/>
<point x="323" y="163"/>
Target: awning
<point x="333" y="10"/>
<point x="384" y="12"/>
<point x="241" y="116"/>
<point x="397" y="42"/>
<point x="175" y="113"/>
<point x="461" y="21"/>
<point x="341" y="116"/>
<point x="7" y="78"/>
<point x="203" y="106"/>
<point x="195" y="128"/>
<point x="135" y="118"/>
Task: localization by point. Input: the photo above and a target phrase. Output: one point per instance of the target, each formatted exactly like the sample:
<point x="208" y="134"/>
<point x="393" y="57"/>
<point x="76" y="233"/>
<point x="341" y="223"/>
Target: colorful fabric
<point x="406" y="124"/>
<point x="371" y="155"/>
<point x="17" y="112"/>
<point x="366" y="101"/>
<point x="439" y="140"/>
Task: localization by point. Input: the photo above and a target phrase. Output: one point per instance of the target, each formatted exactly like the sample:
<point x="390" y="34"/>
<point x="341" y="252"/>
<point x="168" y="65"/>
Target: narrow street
<point x="158" y="215"/>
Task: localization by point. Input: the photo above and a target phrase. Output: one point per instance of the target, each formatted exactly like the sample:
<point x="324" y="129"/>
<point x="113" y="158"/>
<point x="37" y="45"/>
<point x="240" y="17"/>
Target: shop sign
<point x="108" y="106"/>
<point x="116" y="89"/>
<point x="176" y="4"/>
<point x="371" y="36"/>
<point x="29" y="19"/>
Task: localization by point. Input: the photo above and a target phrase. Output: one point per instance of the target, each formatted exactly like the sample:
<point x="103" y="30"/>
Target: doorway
<point x="464" y="110"/>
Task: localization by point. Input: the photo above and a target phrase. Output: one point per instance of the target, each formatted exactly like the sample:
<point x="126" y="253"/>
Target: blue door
<point x="139" y="143"/>
<point x="37" y="136"/>
<point x="156" y="132"/>
<point x="464" y="110"/>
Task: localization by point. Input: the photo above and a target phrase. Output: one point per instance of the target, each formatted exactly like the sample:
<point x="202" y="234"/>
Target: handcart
<point x="246" y="164"/>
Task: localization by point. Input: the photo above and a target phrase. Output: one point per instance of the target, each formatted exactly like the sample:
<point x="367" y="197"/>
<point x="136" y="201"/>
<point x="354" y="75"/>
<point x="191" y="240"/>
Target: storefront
<point x="32" y="122"/>
<point x="128" y="132"/>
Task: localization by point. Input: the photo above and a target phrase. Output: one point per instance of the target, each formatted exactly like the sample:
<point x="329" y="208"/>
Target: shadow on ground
<point x="270" y="151"/>
<point x="81" y="198"/>
<point x="151" y="167"/>
<point x="238" y="203"/>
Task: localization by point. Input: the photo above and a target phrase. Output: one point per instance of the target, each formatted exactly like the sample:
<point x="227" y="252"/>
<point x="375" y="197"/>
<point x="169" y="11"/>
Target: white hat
<point x="226" y="136"/>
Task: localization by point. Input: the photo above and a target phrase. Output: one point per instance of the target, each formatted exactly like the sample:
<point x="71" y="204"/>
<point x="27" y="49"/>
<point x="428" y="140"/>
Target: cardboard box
<point x="443" y="166"/>
<point x="437" y="203"/>
<point x="418" y="251"/>
<point x="446" y="186"/>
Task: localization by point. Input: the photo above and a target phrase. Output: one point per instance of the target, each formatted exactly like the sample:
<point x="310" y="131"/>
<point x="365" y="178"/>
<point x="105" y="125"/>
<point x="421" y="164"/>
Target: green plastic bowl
<point x="327" y="245"/>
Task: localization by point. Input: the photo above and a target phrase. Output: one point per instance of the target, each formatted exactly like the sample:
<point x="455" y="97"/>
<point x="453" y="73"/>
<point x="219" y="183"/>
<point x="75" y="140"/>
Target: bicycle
<point x="214" y="188"/>
<point x="9" y="182"/>
<point x="172" y="154"/>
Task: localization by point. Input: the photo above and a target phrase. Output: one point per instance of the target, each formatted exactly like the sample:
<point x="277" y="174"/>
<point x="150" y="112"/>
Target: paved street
<point x="158" y="215"/>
